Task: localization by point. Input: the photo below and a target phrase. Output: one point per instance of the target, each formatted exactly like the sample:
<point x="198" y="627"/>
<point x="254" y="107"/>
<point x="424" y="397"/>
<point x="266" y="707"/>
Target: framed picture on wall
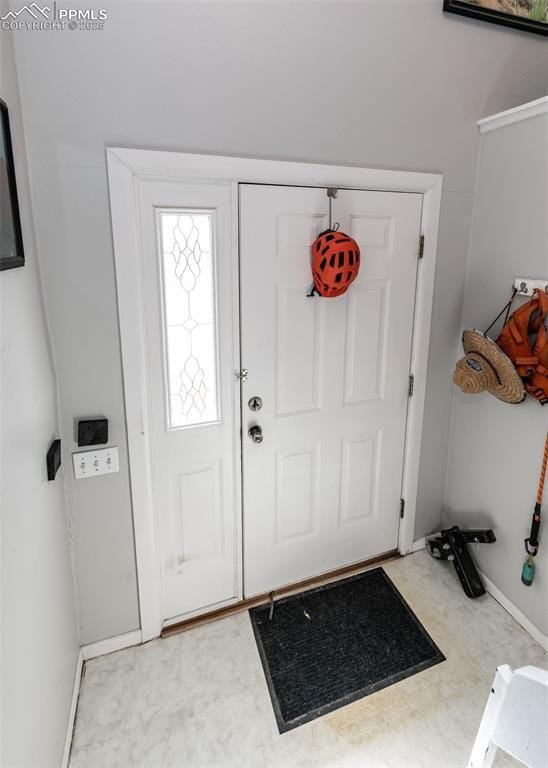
<point x="529" y="15"/>
<point x="11" y="238"/>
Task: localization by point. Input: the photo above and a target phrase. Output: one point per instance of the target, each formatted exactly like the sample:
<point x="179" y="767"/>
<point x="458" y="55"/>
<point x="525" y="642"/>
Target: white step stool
<point x="515" y="719"/>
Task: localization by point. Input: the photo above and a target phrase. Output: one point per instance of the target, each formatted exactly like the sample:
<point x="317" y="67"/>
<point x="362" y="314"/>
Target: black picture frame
<point x="11" y="237"/>
<point x="473" y="10"/>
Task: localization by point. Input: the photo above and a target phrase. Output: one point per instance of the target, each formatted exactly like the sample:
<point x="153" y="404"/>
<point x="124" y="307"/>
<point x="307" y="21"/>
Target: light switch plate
<point x="92" y="463"/>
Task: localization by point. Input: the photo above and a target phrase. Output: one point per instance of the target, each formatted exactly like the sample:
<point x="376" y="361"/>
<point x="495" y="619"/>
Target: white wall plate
<point x="103" y="461"/>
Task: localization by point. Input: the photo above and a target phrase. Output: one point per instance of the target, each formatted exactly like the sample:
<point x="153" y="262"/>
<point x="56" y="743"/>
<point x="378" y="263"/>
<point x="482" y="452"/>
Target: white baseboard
<point x="73" y="705"/>
<point x="418" y="544"/>
<point x="86" y="652"/>
<point x="515" y="612"/>
<point x="496" y="594"/>
<point x="111" y="644"/>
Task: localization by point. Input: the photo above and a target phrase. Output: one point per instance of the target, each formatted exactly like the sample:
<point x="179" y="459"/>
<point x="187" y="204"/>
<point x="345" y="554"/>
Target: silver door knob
<point x="255" y="433"/>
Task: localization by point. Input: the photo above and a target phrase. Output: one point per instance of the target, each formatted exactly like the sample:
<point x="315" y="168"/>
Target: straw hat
<point x="486" y="368"/>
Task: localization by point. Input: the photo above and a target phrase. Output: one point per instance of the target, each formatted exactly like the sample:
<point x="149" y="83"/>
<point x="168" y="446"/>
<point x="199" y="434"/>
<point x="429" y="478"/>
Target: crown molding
<point x="515" y="115"/>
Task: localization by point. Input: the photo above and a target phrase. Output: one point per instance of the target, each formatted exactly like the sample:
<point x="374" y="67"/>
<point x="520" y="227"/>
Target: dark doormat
<point x="334" y="644"/>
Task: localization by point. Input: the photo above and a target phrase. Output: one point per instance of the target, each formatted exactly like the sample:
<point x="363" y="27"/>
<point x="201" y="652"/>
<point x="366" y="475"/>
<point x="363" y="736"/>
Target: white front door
<point x="189" y="306"/>
<point x="322" y="489"/>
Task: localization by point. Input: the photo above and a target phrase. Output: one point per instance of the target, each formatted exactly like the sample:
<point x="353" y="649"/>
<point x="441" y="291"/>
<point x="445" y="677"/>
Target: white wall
<point x="495" y="448"/>
<point x="382" y="83"/>
<point x="38" y="624"/>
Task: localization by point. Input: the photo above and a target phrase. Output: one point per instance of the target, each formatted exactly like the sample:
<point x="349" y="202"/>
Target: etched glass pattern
<point x="186" y="240"/>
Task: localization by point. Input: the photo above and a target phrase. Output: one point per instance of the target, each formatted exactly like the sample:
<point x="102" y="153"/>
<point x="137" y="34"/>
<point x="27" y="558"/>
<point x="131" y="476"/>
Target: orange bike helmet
<point x="335" y="263"/>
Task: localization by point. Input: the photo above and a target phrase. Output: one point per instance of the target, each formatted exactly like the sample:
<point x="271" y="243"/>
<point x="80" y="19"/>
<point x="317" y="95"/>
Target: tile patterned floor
<point x="200" y="698"/>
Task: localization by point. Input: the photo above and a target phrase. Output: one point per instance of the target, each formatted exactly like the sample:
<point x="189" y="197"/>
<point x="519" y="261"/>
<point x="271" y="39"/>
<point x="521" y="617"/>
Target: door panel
<point x="322" y="490"/>
<point x="359" y="477"/>
<point x="365" y="355"/>
<point x="297" y="355"/>
<point x="189" y="309"/>
<point x="296" y="504"/>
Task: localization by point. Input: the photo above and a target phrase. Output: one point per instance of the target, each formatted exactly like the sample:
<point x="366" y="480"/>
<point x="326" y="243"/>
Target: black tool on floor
<point x="452" y="544"/>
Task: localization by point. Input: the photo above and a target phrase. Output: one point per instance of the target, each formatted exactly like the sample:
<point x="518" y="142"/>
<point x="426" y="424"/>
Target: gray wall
<point x="377" y="83"/>
<point x="39" y="639"/>
<point x="495" y="448"/>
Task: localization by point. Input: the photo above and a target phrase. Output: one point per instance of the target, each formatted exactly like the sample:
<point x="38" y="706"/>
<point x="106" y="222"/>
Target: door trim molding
<point x="125" y="168"/>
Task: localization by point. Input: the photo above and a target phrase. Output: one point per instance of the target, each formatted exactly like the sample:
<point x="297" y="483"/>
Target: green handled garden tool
<point x="532" y="543"/>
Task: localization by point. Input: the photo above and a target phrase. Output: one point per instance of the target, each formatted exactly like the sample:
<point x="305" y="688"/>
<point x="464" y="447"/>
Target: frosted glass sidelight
<point x="187" y="257"/>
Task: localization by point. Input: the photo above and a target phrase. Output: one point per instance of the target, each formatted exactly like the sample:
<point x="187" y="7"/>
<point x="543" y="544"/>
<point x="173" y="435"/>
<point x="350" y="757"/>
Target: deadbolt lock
<point x="255" y="403"/>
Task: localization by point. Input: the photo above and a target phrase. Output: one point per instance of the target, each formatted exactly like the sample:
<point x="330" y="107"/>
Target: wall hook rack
<point x="526" y="285"/>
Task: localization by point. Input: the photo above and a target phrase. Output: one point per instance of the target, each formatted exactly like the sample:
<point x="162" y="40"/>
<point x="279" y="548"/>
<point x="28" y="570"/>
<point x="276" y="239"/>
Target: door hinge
<point x="411" y="386"/>
<point x="402" y="508"/>
<point x="421" y="246"/>
<point x="241" y="375"/>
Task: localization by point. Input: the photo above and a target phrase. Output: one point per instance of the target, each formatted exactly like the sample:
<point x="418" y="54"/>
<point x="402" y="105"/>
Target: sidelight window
<point x="187" y="245"/>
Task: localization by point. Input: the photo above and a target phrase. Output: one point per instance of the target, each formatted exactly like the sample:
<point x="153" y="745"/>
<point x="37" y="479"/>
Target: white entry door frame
<point x="128" y="170"/>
